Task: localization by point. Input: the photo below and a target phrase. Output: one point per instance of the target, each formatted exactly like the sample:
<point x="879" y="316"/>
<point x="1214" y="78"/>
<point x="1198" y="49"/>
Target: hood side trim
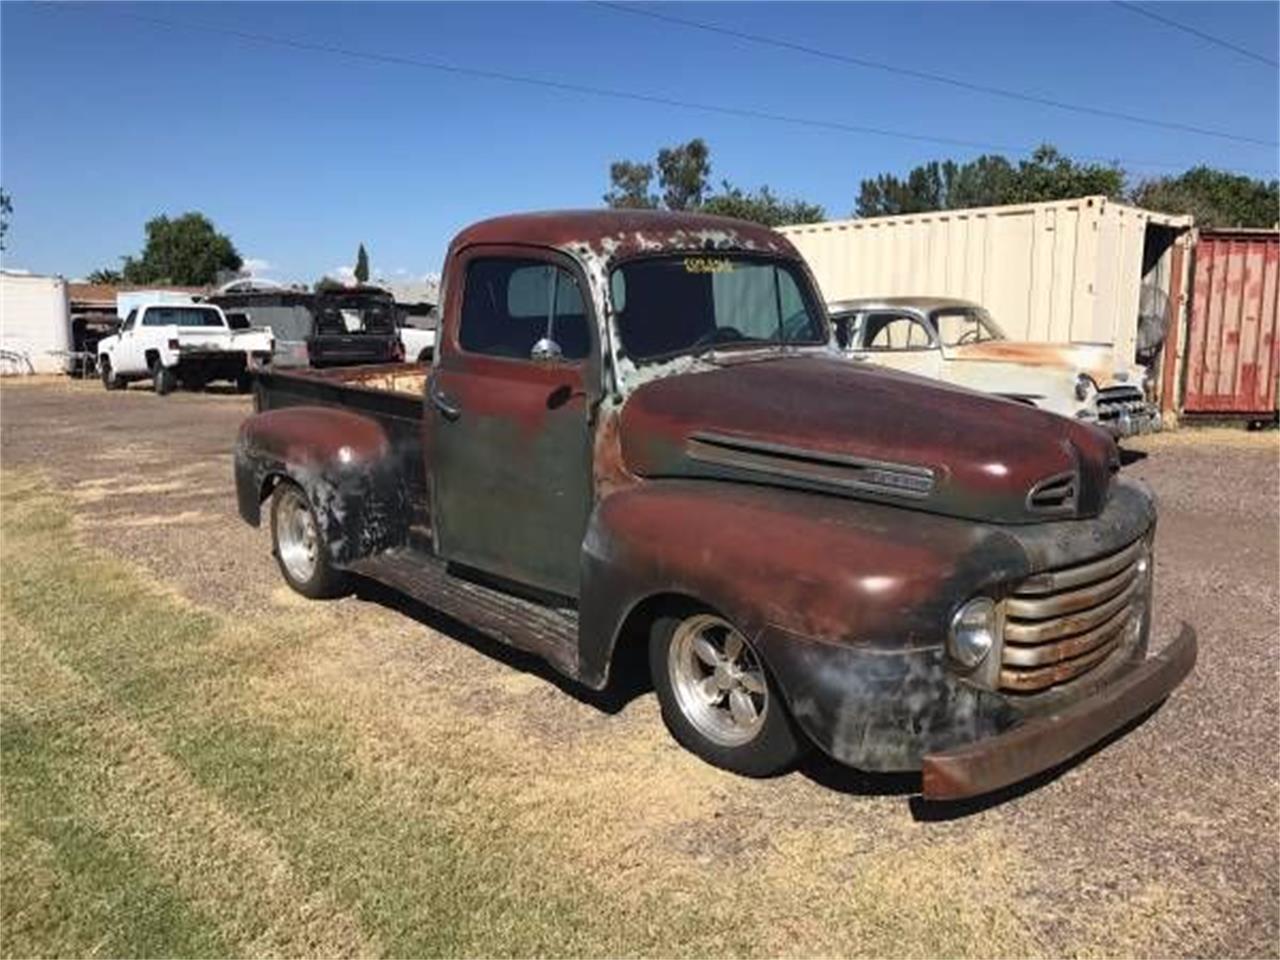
<point x="831" y="470"/>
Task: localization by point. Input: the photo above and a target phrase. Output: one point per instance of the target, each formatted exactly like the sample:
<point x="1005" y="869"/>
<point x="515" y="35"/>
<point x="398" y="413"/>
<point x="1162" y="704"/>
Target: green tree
<point x="106" y="275"/>
<point x="989" y="180"/>
<point x="186" y="251"/>
<point x="6" y="211"/>
<point x="682" y="173"/>
<point x="1214" y="197"/>
<point x="761" y="207"/>
<point x="362" y="265"/>
<point x="1049" y="175"/>
<point x="629" y="186"/>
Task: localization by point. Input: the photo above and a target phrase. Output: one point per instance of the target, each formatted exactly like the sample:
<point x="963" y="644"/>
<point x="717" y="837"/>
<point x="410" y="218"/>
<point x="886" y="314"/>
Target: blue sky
<point x="107" y="120"/>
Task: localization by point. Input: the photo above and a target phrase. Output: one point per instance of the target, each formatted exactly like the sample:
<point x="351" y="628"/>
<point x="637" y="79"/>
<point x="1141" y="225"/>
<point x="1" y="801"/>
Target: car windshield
<point x="666" y="306"/>
<point x="962" y="325"/>
<point x="182" y="317"/>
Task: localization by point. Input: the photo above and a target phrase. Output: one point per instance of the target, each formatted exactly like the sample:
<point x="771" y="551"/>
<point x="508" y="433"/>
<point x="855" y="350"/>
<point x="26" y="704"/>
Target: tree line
<point x="1216" y="198"/>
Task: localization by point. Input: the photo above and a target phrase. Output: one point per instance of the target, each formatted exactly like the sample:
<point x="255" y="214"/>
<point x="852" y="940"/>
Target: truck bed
<point x="391" y="394"/>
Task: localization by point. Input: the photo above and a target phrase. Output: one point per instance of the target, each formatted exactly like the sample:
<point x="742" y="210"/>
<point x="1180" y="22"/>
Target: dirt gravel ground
<point x="1164" y="842"/>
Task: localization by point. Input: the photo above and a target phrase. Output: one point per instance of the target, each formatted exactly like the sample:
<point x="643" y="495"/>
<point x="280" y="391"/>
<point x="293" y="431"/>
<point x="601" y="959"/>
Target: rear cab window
<point x="182" y="317"/>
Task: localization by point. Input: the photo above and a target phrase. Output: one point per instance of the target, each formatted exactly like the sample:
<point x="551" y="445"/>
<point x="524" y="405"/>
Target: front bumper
<point x="1042" y="742"/>
<point x="1129" y="419"/>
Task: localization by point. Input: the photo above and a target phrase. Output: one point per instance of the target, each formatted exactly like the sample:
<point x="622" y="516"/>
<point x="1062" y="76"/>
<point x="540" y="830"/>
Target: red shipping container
<point x="1233" y="351"/>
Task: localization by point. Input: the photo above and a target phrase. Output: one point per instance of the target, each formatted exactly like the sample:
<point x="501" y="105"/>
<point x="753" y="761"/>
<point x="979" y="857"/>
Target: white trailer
<point x="1069" y="271"/>
<point x="34" y="324"/>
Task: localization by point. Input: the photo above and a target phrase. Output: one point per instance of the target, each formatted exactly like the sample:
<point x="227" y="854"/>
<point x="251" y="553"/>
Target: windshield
<point x="182" y="317"/>
<point x="960" y="325"/>
<point x="666" y="306"/>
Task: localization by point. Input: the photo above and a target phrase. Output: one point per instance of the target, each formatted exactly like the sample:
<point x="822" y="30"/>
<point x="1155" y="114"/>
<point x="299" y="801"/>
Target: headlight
<point x="973" y="632"/>
<point x="1084" y="386"/>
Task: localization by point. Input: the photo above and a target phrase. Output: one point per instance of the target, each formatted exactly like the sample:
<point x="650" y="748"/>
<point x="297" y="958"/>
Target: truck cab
<point x="638" y="435"/>
<point x="191" y="343"/>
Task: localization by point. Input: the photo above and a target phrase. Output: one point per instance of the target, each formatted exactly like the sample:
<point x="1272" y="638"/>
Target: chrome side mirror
<point x="546" y="350"/>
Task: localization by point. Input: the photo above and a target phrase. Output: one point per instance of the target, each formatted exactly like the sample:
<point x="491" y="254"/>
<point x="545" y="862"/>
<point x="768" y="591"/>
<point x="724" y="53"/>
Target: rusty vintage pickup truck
<point x="637" y="436"/>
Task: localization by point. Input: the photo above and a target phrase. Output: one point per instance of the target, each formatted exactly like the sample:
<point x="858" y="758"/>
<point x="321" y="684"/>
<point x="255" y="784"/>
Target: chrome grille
<point x="1115" y="401"/>
<point x="1062" y="623"/>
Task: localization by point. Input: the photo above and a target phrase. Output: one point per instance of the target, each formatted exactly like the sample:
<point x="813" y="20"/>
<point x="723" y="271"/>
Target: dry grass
<point x="180" y="782"/>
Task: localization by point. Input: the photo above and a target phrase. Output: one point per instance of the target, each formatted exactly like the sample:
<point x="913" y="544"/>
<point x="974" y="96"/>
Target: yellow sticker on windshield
<point x="708" y="265"/>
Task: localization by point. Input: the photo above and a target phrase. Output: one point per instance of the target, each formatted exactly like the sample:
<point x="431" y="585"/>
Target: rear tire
<point x="244" y="381"/>
<point x="300" y="549"/>
<point x="163" y="379"/>
<point x="717" y="697"/>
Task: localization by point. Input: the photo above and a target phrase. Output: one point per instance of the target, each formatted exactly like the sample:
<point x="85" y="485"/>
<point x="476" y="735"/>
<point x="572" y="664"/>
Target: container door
<point x="1233" y="338"/>
<point x="509" y="439"/>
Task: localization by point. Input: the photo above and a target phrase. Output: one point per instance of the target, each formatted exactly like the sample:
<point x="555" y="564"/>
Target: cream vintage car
<point x="957" y="342"/>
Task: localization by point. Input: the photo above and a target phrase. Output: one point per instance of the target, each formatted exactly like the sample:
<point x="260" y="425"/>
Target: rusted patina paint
<point x="616" y="234"/>
<point x="303" y="435"/>
<point x="835" y="411"/>
<point x="1095" y="362"/>
<point x="354" y="477"/>
<point x="609" y="469"/>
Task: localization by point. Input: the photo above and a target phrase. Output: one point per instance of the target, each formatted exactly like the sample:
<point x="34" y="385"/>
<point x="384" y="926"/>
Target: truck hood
<point x="827" y="425"/>
<point x="1098" y="361"/>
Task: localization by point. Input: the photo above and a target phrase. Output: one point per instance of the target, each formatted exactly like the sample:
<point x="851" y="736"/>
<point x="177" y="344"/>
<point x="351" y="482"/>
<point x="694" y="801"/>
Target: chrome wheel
<point x="297" y="540"/>
<point x="717" y="680"/>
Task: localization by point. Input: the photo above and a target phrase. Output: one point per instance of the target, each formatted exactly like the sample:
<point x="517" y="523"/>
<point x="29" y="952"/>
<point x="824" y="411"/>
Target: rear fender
<point x="344" y="462"/>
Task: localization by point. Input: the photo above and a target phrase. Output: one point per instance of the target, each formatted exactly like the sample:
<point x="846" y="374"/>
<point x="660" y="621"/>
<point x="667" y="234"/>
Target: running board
<point x="548" y="632"/>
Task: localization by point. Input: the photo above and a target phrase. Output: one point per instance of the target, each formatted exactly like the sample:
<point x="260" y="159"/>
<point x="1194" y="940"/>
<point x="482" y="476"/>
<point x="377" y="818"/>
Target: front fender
<point x="830" y="569"/>
<point x="344" y="462"/>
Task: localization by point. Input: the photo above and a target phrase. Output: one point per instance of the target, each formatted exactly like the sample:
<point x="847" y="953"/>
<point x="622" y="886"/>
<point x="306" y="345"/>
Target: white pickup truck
<point x="190" y="342"/>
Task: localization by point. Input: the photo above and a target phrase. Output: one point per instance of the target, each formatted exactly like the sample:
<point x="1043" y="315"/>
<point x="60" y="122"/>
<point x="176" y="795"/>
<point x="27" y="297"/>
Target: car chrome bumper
<point x="1043" y="742"/>
<point x="1131" y="422"/>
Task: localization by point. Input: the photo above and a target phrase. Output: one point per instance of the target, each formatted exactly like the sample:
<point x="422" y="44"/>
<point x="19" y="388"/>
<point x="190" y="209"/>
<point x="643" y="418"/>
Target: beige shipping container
<point x="1068" y="271"/>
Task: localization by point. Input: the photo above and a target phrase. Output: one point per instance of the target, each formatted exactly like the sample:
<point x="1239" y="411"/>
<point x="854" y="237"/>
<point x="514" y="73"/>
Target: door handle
<point x="441" y="402"/>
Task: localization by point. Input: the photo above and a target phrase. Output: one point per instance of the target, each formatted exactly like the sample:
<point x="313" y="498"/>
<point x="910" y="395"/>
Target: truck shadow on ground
<point x="630" y="680"/>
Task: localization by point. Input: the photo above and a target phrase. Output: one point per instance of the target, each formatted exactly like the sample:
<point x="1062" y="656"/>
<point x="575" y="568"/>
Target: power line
<point x="931" y="77"/>
<point x="1227" y="44"/>
<point x="585" y="89"/>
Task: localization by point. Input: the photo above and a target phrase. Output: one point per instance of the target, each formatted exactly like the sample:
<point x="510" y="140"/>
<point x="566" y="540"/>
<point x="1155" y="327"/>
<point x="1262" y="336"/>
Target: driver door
<point x="509" y="405"/>
<point x="902" y="341"/>
<point x="128" y="356"/>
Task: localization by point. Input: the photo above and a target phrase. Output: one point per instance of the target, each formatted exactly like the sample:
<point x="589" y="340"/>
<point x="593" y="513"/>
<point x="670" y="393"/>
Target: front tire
<point x="299" y="546"/>
<point x="717" y="697"/>
<point x="109" y="378"/>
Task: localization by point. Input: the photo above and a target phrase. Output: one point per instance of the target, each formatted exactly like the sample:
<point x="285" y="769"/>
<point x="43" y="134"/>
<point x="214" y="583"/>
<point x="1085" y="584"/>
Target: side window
<point x="893" y="331"/>
<point x="129" y="320"/>
<point x="848" y="327"/>
<point x="508" y="305"/>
